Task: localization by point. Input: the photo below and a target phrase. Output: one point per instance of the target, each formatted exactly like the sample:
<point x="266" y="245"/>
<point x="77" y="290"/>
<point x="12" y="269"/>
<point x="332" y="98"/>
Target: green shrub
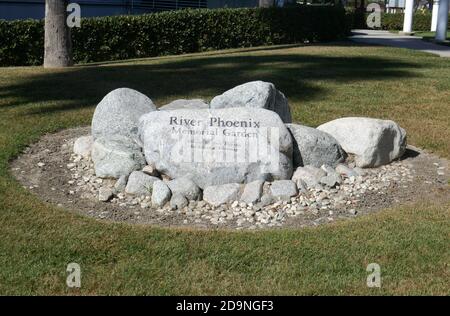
<point x="394" y="21"/>
<point x="356" y="18"/>
<point x="390" y="21"/>
<point x="175" y="32"/>
<point x="21" y="42"/>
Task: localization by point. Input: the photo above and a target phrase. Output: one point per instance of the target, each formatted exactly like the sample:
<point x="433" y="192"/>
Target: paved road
<point x="386" y="38"/>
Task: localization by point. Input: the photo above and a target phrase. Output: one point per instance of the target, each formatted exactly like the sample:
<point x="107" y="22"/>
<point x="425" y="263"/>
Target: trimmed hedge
<point x="175" y="32"/>
<point x="392" y="21"/>
<point x="21" y="42"/>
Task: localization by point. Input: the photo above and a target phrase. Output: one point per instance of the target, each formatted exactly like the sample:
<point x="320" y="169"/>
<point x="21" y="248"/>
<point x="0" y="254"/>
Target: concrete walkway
<point x="386" y="38"/>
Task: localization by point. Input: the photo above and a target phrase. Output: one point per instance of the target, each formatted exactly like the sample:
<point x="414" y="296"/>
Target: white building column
<point x="408" y="18"/>
<point x="434" y="15"/>
<point x="442" y="20"/>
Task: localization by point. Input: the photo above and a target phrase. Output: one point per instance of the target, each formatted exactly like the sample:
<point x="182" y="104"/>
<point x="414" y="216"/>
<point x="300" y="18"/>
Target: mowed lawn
<point x="324" y="82"/>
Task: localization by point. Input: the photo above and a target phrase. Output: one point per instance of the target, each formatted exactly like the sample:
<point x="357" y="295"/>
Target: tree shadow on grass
<point x="197" y="76"/>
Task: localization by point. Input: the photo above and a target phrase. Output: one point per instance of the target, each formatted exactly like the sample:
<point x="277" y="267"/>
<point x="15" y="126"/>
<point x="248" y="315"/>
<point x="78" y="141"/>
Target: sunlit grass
<point x="38" y="240"/>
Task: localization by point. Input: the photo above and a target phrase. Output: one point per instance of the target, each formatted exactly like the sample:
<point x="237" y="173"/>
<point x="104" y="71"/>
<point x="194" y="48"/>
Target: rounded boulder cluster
<point x="129" y="158"/>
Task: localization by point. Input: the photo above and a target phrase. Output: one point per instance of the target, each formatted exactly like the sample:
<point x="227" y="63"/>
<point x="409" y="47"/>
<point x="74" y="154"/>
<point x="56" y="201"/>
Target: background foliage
<point x="175" y="32"/>
<point x="391" y="21"/>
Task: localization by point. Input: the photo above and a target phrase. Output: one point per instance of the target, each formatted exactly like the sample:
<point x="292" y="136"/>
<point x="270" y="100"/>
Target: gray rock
<point x="151" y="170"/>
<point x="140" y="183"/>
<point x="331" y="180"/>
<point x="177" y="202"/>
<point x="104" y="194"/>
<point x="118" y="113"/>
<point x="220" y="194"/>
<point x="374" y="142"/>
<point x="310" y="175"/>
<point x="121" y="183"/>
<point x="186" y="187"/>
<point x="314" y="147"/>
<point x="185" y="104"/>
<point x="283" y="189"/>
<point x="346" y="171"/>
<point x="116" y="156"/>
<point x="328" y="169"/>
<point x="160" y="194"/>
<point x="192" y="143"/>
<point x="83" y="146"/>
<point x="301" y="185"/>
<point x="252" y="192"/>
<point x="359" y="171"/>
<point x="255" y="94"/>
<point x="266" y="199"/>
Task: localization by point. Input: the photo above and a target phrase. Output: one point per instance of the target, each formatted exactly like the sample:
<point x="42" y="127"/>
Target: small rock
<point x="283" y="189"/>
<point x="331" y="180"/>
<point x="266" y="199"/>
<point x="309" y="175"/>
<point x="328" y="169"/>
<point x="121" y="183"/>
<point x="83" y="146"/>
<point x="346" y="171"/>
<point x="178" y="201"/>
<point x="140" y="183"/>
<point x="301" y="185"/>
<point x="160" y="194"/>
<point x="151" y="170"/>
<point x="220" y="194"/>
<point x="186" y="187"/>
<point x="359" y="171"/>
<point x="104" y="194"/>
<point x="252" y="191"/>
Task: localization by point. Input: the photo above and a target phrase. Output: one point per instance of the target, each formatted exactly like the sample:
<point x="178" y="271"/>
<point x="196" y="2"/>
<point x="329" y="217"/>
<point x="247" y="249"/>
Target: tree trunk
<point x="58" y="43"/>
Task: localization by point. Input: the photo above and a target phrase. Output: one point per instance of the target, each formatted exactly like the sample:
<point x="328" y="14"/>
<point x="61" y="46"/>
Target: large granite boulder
<point x="116" y="156"/>
<point x="314" y="147"/>
<point x="214" y="147"/>
<point x="185" y="104"/>
<point x="255" y="94"/>
<point x="118" y="113"/>
<point x="374" y="142"/>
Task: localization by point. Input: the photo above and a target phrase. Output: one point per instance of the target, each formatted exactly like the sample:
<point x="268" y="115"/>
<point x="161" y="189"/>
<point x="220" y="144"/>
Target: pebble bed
<point x="319" y="204"/>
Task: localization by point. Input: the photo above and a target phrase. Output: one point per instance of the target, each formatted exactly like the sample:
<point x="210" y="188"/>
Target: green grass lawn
<point x="429" y="36"/>
<point x="411" y="243"/>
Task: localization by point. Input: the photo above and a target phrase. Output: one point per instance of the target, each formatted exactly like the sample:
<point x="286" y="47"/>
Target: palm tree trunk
<point x="58" y="43"/>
